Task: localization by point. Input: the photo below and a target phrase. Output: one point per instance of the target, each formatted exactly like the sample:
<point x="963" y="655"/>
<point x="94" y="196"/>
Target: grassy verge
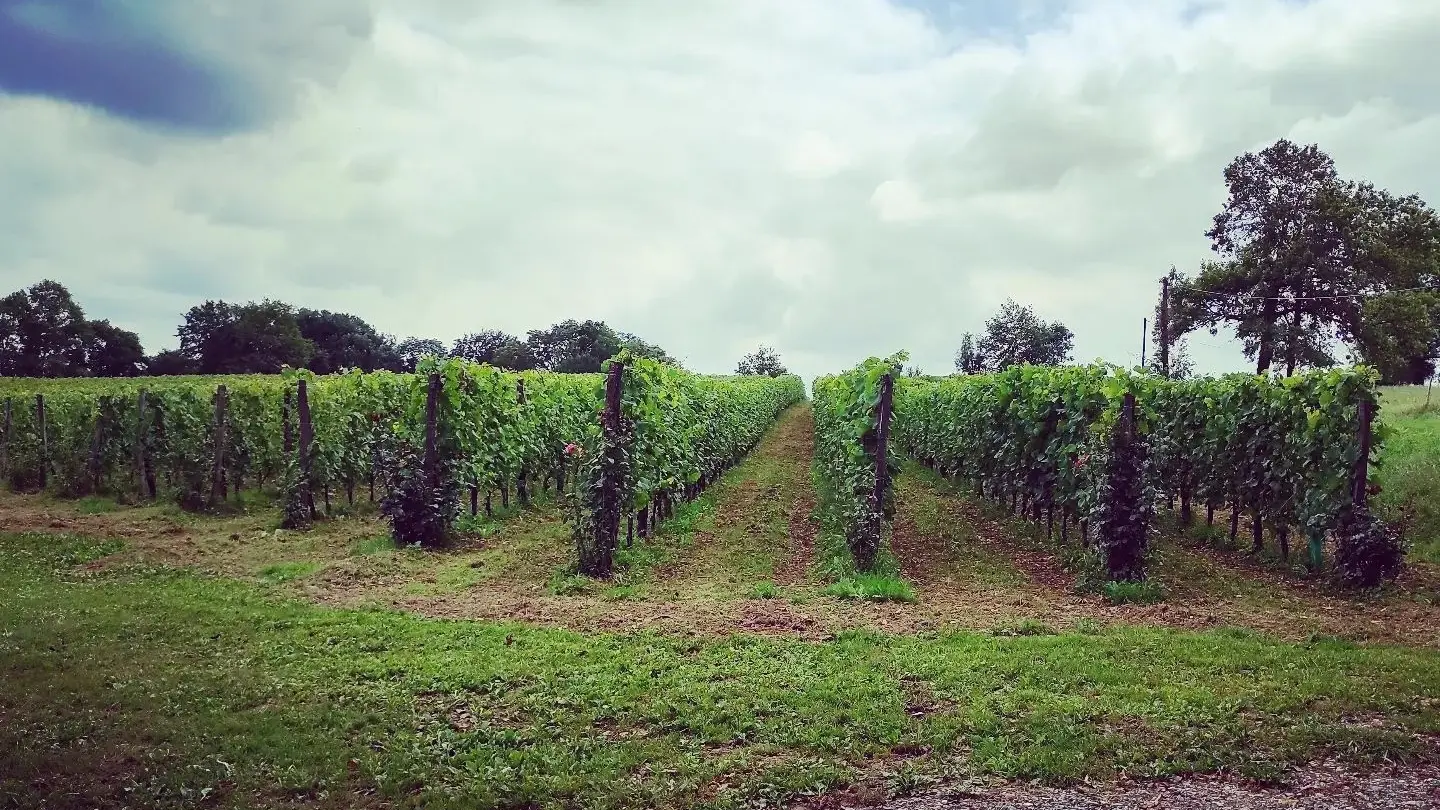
<point x="149" y="687"/>
<point x="835" y="562"/>
<point x="1409" y="478"/>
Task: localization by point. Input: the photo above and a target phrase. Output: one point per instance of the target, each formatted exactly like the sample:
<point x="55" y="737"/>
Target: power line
<point x="1249" y="297"/>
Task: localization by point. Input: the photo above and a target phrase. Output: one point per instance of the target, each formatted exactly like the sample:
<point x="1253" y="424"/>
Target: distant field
<point x="1410" y="477"/>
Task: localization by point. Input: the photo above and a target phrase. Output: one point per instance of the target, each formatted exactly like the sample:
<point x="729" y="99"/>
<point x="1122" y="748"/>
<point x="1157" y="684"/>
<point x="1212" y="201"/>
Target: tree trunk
<point x="1266" y="355"/>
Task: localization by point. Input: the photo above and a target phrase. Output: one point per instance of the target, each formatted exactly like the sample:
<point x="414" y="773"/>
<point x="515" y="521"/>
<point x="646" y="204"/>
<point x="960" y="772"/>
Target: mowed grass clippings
<point x="156" y="688"/>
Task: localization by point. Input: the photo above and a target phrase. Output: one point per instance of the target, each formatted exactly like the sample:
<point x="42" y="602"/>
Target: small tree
<point x="763" y="362"/>
<point x="1015" y="336"/>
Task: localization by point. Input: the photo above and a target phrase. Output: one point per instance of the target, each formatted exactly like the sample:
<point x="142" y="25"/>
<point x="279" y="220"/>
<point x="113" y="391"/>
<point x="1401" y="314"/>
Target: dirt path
<point x="745" y="534"/>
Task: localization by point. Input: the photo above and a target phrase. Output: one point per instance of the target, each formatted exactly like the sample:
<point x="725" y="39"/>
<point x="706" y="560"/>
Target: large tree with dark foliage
<point x="345" y="341"/>
<point x="42" y="332"/>
<point x="412" y="349"/>
<point x="579" y="347"/>
<point x="1305" y="256"/>
<point x="1015" y="336"/>
<point x="495" y="347"/>
<point x="573" y="346"/>
<point x="253" y="338"/>
<point x="763" y="362"/>
<point x="112" y="352"/>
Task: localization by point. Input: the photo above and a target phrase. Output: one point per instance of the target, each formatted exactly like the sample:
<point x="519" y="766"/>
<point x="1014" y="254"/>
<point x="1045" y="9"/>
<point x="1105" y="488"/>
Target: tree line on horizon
<point x="45" y="333"/>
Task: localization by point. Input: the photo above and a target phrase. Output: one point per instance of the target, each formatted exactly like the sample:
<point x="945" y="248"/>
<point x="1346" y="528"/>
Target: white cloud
<point x="836" y="178"/>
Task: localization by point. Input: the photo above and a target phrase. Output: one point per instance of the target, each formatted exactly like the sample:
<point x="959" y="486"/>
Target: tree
<point x="43" y="332"/>
<point x="486" y="346"/>
<point x="575" y="347"/>
<point x="515" y="356"/>
<point x="253" y="338"/>
<point x="641" y="348"/>
<point x="1302" y="251"/>
<point x="168" y="363"/>
<point x="1400" y="336"/>
<point x="345" y="341"/>
<point x="1015" y="336"/>
<point x="968" y="359"/>
<point x="112" y="352"/>
<point x="412" y="349"/>
<point x="763" y="362"/>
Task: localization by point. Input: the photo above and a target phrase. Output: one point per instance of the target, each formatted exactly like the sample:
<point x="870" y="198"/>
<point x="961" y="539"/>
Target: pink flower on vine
<point x="573" y="450"/>
<point x="1082" y="461"/>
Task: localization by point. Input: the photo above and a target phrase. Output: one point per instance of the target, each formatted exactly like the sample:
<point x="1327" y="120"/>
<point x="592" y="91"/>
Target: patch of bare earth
<point x="795" y="444"/>
<point x="1320" y="786"/>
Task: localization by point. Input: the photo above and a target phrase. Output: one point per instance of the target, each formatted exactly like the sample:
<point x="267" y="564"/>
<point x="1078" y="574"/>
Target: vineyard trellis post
<point x="431" y="461"/>
<point x="44" y="440"/>
<point x="882" y="441"/>
<point x="1360" y="480"/>
<point x="7" y="438"/>
<point x="607" y="528"/>
<point x="217" y="469"/>
<point x="307" y="437"/>
<point x="97" y="438"/>
<point x="522" y="490"/>
<point x="138" y="450"/>
<point x="1164" y="325"/>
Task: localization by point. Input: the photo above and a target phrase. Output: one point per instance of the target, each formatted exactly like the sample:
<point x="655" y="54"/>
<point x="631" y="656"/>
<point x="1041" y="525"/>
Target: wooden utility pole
<point x="1144" y="339"/>
<point x="1164" y="326"/>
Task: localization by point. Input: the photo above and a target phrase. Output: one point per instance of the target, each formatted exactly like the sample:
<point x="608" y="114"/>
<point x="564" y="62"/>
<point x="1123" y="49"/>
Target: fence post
<point x="607" y="522"/>
<point x="287" y="434"/>
<point x="307" y="435"/>
<point x="138" y="449"/>
<point x="44" y="440"/>
<point x="97" y="439"/>
<point x="6" y="438"/>
<point x="217" y="469"/>
<point x="522" y="491"/>
<point x="882" y="441"/>
<point x="431" y="460"/>
<point x="1360" y="479"/>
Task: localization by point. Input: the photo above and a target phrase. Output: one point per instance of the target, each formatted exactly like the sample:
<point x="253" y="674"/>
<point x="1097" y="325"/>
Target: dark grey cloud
<point x="210" y="68"/>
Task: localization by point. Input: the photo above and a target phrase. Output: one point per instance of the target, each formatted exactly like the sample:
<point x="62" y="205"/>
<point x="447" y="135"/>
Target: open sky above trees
<point x="833" y="178"/>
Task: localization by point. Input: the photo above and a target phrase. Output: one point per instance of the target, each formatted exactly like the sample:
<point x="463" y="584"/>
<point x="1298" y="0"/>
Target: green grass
<point x="379" y="544"/>
<point x="1409" y="475"/>
<point x="160" y="688"/>
<point x="874" y="587"/>
<point x="287" y="571"/>
<point x="1141" y="593"/>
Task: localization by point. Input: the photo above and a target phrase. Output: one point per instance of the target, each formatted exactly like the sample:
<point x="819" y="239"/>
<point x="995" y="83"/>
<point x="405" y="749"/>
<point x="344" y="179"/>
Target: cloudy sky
<point x="836" y="178"/>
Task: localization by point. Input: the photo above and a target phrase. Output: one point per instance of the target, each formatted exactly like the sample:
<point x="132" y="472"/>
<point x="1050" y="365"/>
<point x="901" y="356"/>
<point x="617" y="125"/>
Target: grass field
<point x="154" y="658"/>
<point x="1410" y="475"/>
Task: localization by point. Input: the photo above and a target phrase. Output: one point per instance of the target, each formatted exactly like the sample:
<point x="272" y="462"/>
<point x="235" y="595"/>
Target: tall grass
<point x="1409" y="475"/>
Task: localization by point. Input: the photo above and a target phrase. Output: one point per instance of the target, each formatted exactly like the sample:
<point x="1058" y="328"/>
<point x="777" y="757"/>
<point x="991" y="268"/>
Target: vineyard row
<point x="422" y="440"/>
<point x="1102" y="448"/>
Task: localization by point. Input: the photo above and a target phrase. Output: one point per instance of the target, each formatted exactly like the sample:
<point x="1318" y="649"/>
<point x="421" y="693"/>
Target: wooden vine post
<point x="1360" y="479"/>
<point x="7" y="437"/>
<point x="143" y="480"/>
<point x="431" y="461"/>
<point x="217" y="469"/>
<point x="608" y="528"/>
<point x="522" y="490"/>
<point x="97" y="443"/>
<point x="882" y="441"/>
<point x="307" y="437"/>
<point x="44" y="440"/>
